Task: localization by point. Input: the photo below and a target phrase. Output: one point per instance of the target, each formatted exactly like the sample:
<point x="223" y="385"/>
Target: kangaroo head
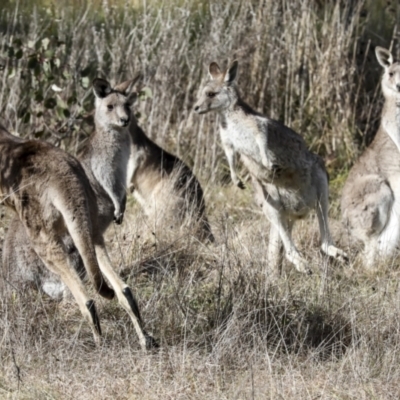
<point x="219" y="93"/>
<point x="113" y="105"/>
<point x="391" y="76"/>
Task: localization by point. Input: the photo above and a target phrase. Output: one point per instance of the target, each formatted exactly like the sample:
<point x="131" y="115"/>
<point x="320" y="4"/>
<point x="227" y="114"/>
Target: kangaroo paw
<point x="300" y="263"/>
<point x="151" y="343"/>
<point x="132" y="303"/>
<point x="240" y="184"/>
<point x="118" y="218"/>
<point x="93" y="313"/>
<point x="335" y="252"/>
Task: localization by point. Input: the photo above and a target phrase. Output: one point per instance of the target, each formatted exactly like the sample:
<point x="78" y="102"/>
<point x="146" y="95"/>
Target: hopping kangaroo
<point x="288" y="179"/>
<point x="371" y="196"/>
<point x="105" y="160"/>
<point x="166" y="187"/>
<point x="52" y="196"/>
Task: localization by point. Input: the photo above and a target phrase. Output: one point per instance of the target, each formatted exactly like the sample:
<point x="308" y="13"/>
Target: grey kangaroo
<point x="288" y="179"/>
<point x="166" y="187"/>
<point x="162" y="183"/>
<point x="54" y="200"/>
<point x="371" y="195"/>
<point x="105" y="160"/>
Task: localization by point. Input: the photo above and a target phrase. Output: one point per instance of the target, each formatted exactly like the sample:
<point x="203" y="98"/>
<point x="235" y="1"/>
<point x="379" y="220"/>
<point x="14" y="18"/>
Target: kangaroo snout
<point x="199" y="110"/>
<point x="398" y="87"/>
<point x="124" y="121"/>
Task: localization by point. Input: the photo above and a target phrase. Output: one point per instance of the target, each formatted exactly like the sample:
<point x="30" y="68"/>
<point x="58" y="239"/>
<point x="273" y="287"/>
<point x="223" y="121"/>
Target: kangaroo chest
<point x="240" y="135"/>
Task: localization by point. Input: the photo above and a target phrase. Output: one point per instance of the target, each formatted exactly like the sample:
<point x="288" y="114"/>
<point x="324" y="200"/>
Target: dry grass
<point x="227" y="329"/>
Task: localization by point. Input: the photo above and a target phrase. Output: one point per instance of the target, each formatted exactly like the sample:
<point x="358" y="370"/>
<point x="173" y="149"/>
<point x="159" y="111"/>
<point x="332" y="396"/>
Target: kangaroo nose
<point x="124" y="121"/>
<point x="398" y="87"/>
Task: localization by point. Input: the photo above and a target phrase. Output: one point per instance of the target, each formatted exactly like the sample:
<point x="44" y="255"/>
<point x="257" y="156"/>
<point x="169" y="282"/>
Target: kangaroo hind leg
<point x="54" y="255"/>
<point x="76" y="219"/>
<point x="369" y="210"/>
<point x="124" y="295"/>
<point x="327" y="245"/>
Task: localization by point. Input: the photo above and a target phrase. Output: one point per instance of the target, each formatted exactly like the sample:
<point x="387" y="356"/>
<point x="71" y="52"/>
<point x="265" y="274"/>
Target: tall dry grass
<point x="226" y="329"/>
<point x="307" y="63"/>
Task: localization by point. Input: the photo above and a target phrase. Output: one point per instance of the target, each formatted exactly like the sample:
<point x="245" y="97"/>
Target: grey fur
<point x="288" y="179"/>
<point x="371" y="195"/>
<point x="105" y="160"/>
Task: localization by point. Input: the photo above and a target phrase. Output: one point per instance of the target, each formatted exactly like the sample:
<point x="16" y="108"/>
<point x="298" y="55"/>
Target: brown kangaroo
<point x="56" y="204"/>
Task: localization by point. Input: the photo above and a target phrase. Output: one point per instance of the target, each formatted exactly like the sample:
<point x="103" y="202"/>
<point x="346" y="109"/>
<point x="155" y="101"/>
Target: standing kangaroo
<point x="162" y="183"/>
<point x="53" y="198"/>
<point x="371" y="195"/>
<point x="287" y="178"/>
<point x="105" y="160"/>
<point x="165" y="186"/>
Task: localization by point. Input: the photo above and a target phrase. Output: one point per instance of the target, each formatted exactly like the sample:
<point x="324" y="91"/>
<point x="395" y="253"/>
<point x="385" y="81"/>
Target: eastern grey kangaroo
<point x="288" y="179"/>
<point x="52" y="196"/>
<point x="105" y="160"/>
<point x="371" y="195"/>
<point x="166" y="187"/>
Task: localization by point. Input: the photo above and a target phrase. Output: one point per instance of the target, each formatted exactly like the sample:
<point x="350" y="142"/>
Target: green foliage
<point x="47" y="102"/>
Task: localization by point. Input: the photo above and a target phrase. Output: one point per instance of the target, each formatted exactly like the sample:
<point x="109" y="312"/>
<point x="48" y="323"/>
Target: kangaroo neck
<point x="137" y="134"/>
<point x="106" y="135"/>
<point x="239" y="111"/>
<point x="390" y="121"/>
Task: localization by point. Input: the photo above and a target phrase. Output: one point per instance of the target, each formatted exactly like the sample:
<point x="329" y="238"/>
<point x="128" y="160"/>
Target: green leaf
<point x="66" y="112"/>
<point x="145" y="93"/>
<point x="46" y="66"/>
<point x="19" y="54"/>
<point x="49" y="53"/>
<point x="50" y="102"/>
<point x="61" y="102"/>
<point x="45" y="43"/>
<point x="85" y="82"/>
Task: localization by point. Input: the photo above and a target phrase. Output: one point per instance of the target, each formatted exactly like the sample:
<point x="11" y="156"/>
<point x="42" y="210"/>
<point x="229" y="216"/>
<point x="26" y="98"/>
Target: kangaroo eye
<point x="110" y="107"/>
<point x="211" y="94"/>
<point x="391" y="73"/>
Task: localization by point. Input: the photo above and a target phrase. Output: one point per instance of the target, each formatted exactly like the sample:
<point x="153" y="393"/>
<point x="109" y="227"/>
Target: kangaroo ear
<point x="384" y="57"/>
<point x="101" y="88"/>
<point x="214" y="71"/>
<point x="230" y="74"/>
<point x="127" y="87"/>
